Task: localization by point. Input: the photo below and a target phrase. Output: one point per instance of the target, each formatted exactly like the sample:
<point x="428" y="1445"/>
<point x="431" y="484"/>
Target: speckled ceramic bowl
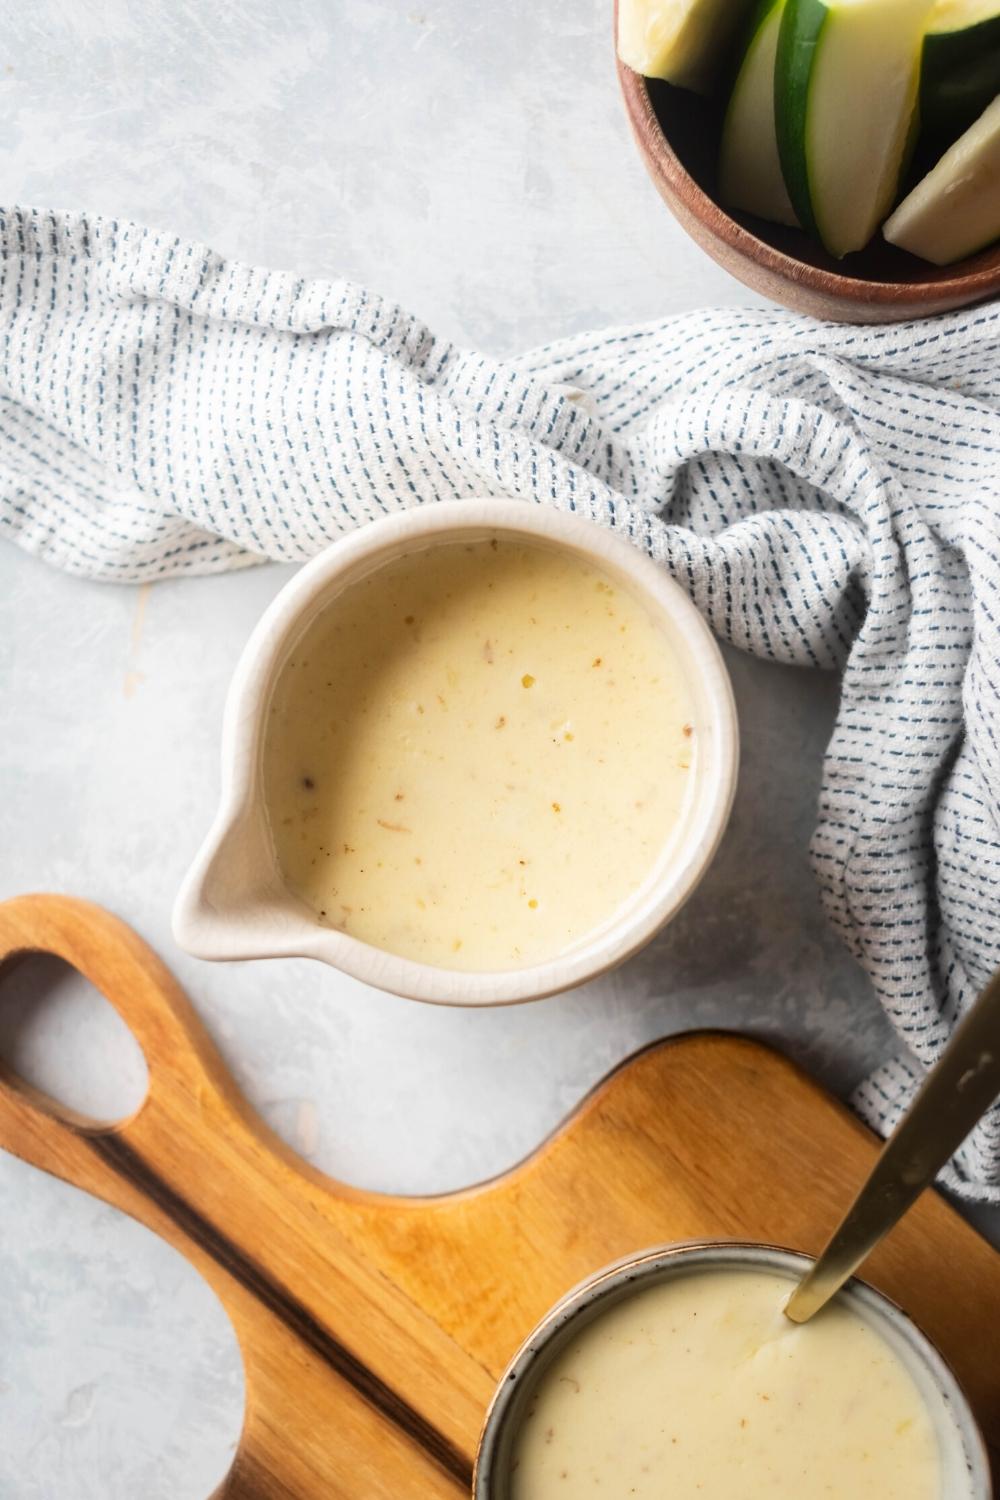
<point x="964" y="1460"/>
<point x="234" y="902"/>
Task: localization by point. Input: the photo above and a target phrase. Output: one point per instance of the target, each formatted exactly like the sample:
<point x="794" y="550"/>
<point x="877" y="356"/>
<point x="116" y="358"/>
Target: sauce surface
<point x="477" y="754"/>
<point x="700" y="1387"/>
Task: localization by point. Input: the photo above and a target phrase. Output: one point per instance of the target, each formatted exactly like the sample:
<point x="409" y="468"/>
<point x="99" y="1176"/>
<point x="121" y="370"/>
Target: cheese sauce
<point x="700" y="1387"/>
<point x="477" y="754"/>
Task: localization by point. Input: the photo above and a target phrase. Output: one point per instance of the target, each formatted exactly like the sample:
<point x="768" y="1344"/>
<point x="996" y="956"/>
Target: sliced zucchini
<point x="960" y="66"/>
<point x="749" y="169"/>
<point x="955" y="210"/>
<point x="687" y="42"/>
<point x="845" y="94"/>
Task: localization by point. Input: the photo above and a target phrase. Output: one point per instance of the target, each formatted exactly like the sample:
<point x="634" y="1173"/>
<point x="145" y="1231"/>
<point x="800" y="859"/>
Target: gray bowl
<point x="964" y="1462"/>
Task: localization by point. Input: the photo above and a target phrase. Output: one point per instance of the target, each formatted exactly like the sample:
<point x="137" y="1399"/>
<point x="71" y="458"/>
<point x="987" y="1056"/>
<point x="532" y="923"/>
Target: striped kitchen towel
<point x="827" y="495"/>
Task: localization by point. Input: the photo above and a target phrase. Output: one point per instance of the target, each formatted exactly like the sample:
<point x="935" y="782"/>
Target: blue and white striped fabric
<point x="827" y="495"/>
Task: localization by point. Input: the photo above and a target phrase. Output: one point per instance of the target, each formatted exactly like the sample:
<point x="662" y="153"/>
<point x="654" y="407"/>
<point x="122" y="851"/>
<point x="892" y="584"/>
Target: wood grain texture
<point x="373" y="1328"/>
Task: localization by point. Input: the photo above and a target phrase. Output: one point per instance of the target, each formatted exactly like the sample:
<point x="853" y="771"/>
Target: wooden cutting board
<point x="373" y="1328"/>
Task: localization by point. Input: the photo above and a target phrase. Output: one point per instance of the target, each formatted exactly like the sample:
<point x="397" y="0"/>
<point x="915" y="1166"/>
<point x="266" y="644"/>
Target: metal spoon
<point x="955" y="1094"/>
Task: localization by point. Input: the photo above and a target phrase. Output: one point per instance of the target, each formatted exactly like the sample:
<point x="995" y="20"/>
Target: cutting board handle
<point x="199" y="1168"/>
<point x="184" y="1066"/>
<point x="55" y="1138"/>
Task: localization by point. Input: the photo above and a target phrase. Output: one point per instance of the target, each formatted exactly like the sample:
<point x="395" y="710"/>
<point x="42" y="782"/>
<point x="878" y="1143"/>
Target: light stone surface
<point x="474" y="163"/>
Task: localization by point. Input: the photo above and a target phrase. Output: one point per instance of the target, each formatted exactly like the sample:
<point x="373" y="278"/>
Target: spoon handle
<point x="955" y="1094"/>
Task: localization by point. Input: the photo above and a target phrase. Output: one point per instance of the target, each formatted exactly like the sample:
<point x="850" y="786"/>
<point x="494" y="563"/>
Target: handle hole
<point x="61" y="1036"/>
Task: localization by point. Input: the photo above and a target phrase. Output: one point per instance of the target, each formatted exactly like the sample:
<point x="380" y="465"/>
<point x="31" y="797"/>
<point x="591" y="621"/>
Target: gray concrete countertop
<point x="474" y="163"/>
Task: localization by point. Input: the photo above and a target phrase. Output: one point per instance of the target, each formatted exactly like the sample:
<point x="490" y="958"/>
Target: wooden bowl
<point x="678" y="135"/>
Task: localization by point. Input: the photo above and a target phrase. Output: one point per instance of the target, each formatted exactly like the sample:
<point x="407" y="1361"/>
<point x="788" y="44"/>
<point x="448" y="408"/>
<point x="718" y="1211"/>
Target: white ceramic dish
<point x="234" y="903"/>
<point x="964" y="1461"/>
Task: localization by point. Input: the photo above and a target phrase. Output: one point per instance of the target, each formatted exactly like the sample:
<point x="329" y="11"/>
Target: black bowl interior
<point x="692" y="126"/>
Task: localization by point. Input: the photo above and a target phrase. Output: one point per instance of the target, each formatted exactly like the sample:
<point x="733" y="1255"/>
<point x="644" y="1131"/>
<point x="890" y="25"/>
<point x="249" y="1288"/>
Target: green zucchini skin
<point x="758" y="16"/>
<point x="749" y="177"/>
<point x="955" y="210"/>
<point x="959" y="77"/>
<point x="801" y="29"/>
<point x="748" y="35"/>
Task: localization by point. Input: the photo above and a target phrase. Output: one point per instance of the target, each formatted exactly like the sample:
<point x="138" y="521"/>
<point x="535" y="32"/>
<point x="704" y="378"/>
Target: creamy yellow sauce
<point x="477" y="754"/>
<point x="700" y="1389"/>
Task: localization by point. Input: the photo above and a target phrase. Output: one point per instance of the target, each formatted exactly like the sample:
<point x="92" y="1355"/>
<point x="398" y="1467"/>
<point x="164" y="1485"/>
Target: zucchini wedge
<point x="749" y="168"/>
<point x="959" y="67"/>
<point x="845" y="94"/>
<point x="686" y="42"/>
<point x="955" y="210"/>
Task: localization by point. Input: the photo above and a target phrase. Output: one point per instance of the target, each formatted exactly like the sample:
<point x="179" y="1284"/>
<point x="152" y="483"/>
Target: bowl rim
<point x="278" y="926"/>
<point x="652" y="1264"/>
<point x="666" y="166"/>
